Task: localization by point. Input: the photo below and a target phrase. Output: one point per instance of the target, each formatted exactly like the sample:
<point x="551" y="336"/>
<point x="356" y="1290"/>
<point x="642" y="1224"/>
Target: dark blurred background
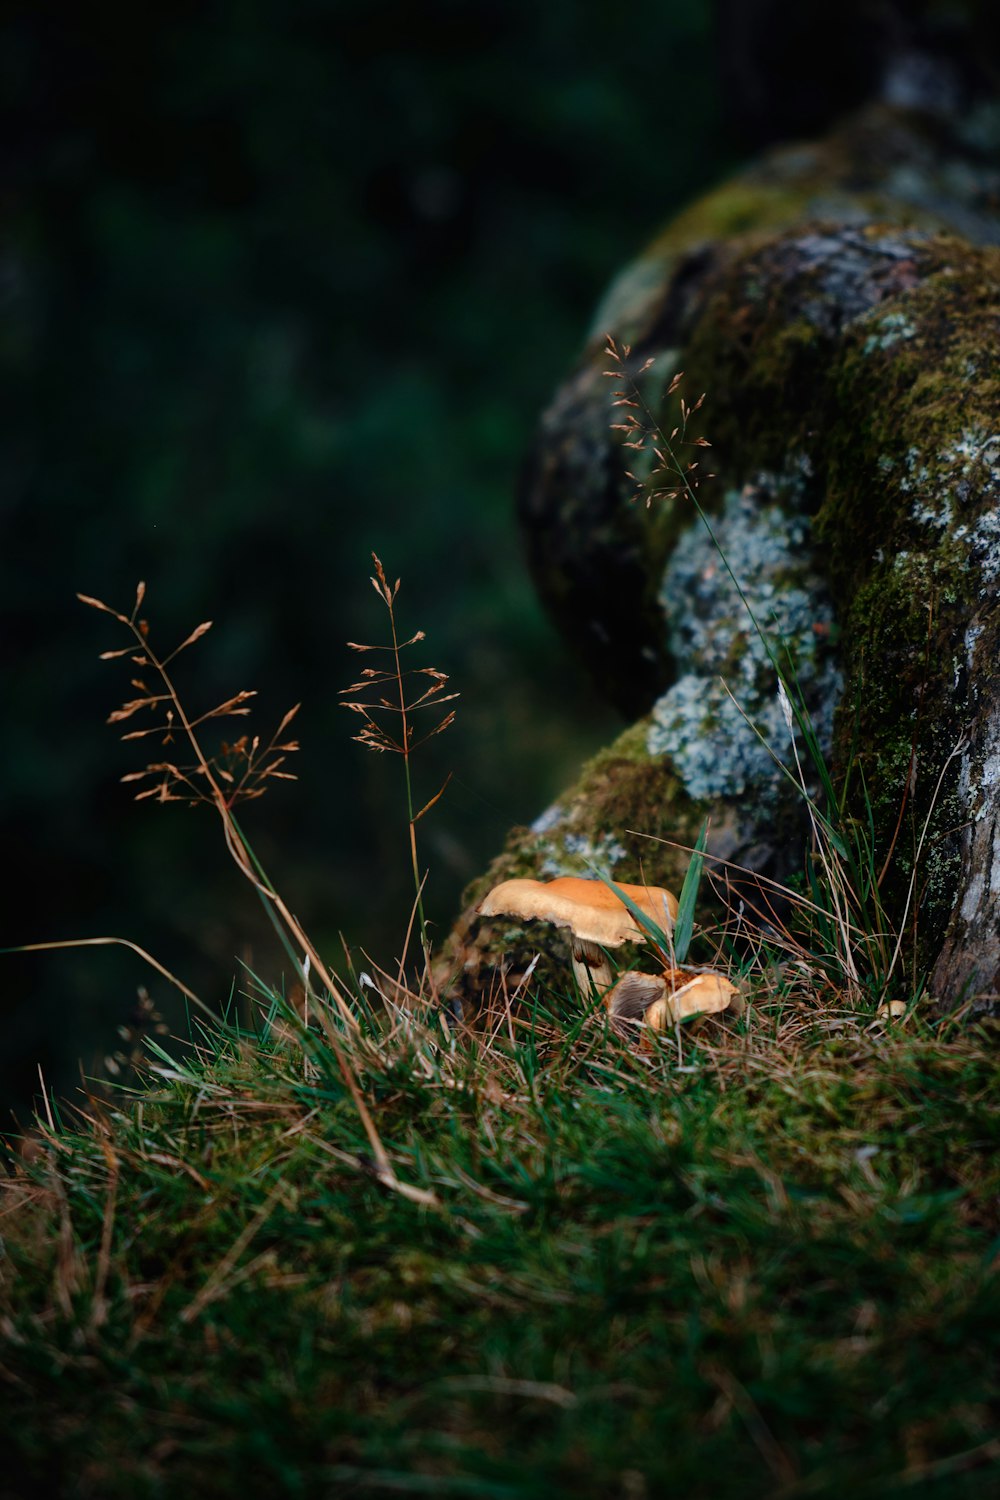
<point x="283" y="284"/>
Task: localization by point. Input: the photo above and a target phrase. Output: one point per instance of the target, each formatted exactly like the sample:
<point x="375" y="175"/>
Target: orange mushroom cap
<point x="593" y="911"/>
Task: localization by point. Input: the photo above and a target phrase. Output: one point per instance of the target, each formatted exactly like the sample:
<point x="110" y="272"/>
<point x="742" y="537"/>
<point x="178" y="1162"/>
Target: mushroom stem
<point x="591" y="967"/>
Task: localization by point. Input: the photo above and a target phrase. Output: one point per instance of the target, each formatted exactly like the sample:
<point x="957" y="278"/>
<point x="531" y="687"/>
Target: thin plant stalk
<point x="115" y="942"/>
<point x="367" y="697"/>
<point x="418" y="884"/>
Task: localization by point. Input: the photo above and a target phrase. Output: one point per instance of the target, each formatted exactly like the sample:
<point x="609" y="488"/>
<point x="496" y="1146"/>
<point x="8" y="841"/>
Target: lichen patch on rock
<point x="721" y="723"/>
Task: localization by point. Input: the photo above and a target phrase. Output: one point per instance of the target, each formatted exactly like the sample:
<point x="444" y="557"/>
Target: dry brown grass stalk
<point x="388" y="703"/>
<point x="669" y="475"/>
<point x="240" y="771"/>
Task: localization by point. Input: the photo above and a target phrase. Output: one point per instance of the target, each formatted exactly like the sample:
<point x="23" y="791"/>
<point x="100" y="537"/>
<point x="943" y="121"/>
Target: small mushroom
<point x="704" y="994"/>
<point x="891" y="1010"/>
<point x="592" y="912"/>
<point x="634" y="994"/>
<point x="661" y="1000"/>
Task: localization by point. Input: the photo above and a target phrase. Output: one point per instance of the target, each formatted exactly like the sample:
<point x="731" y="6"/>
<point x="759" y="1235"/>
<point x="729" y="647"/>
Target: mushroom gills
<point x="633" y="995"/>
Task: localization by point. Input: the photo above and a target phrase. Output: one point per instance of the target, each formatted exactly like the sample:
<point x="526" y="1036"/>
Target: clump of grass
<point x="765" y="1269"/>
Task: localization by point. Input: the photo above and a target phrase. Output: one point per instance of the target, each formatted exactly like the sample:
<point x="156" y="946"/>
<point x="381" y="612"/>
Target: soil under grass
<point x="763" y="1265"/>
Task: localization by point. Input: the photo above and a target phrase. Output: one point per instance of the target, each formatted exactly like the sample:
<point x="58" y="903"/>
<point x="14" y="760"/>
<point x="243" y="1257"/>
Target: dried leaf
<point x="97" y="604"/>
<point x="432" y="698"/>
<point x="195" y="635"/>
<point x="436" y="798"/>
<point x="133" y="706"/>
<point x="231" y="707"/>
<point x="445" y="723"/>
<point x="287" y="720"/>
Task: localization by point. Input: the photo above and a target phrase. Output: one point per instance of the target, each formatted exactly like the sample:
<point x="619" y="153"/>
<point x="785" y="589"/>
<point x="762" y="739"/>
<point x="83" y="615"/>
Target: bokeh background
<point x="283" y="284"/>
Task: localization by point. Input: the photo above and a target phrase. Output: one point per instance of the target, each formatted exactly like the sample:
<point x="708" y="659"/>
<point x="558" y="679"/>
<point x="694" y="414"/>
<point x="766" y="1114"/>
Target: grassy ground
<point x="762" y="1265"/>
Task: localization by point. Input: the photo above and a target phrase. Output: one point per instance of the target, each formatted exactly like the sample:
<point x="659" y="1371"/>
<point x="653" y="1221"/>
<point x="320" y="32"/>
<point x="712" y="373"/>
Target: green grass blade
<point x="684" y="922"/>
<point x="662" y="939"/>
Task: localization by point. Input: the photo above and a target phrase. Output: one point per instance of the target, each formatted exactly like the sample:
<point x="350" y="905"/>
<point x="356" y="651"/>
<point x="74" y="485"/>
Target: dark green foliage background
<point x="283" y="284"/>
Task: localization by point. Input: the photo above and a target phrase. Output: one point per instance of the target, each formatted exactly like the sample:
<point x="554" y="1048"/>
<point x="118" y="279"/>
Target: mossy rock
<point x="840" y="304"/>
<point x="597" y="560"/>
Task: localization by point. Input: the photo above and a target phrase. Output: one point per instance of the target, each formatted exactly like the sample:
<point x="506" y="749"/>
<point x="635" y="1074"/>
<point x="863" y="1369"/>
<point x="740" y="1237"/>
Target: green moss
<point x="912" y="484"/>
